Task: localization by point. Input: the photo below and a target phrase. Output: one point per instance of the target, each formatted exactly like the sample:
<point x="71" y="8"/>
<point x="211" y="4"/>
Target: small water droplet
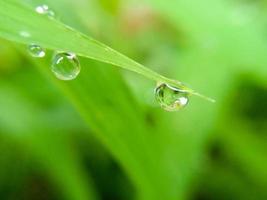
<point x="45" y="10"/>
<point x="36" y="51"/>
<point x="25" y="34"/>
<point x="171" y="98"/>
<point x="66" y="66"/>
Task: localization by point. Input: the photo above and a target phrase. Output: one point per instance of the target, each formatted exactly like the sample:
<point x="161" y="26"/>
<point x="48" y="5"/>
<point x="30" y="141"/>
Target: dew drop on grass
<point x="24" y="34"/>
<point x="171" y="98"/>
<point x="45" y="10"/>
<point x="36" y="51"/>
<point x="65" y="66"/>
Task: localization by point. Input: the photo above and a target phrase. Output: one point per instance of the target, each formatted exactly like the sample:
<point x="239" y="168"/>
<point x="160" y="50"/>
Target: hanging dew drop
<point x="36" y="51"/>
<point x="65" y="66"/>
<point x="45" y="10"/>
<point x="171" y="98"/>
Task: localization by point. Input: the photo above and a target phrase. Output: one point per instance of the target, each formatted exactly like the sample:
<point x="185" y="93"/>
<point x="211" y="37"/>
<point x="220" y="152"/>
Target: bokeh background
<point x="103" y="136"/>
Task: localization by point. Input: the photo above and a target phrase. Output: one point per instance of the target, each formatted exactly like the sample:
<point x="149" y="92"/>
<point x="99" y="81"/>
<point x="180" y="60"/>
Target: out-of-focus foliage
<point x="102" y="136"/>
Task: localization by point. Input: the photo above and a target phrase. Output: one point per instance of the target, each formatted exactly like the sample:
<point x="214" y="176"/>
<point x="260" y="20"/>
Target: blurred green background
<point x="103" y="136"/>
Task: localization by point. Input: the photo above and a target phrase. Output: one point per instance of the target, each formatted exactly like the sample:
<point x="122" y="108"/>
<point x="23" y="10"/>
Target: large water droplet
<point x="66" y="66"/>
<point x="45" y="10"/>
<point x="171" y="98"/>
<point x="36" y="51"/>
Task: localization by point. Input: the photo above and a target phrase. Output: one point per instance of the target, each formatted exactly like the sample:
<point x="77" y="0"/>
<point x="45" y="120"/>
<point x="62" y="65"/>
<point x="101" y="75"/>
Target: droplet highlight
<point x="36" y="51"/>
<point x="66" y="66"/>
<point x="45" y="10"/>
<point x="171" y="98"/>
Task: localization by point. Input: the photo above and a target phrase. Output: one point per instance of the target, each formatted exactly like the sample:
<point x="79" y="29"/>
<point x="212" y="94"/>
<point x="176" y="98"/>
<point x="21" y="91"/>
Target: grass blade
<point x="24" y="27"/>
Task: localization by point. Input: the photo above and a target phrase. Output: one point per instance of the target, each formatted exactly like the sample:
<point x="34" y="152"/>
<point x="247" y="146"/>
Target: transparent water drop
<point x="45" y="10"/>
<point x="24" y="34"/>
<point x="171" y="98"/>
<point x="36" y="51"/>
<point x="66" y="66"/>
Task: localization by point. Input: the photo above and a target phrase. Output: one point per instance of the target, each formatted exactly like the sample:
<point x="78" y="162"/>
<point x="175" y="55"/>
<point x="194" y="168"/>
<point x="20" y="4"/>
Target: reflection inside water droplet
<point x="66" y="66"/>
<point x="45" y="10"/>
<point x="171" y="98"/>
<point x="36" y="51"/>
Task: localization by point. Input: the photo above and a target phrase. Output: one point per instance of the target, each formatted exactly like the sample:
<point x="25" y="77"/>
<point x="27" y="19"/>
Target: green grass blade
<point x="27" y="26"/>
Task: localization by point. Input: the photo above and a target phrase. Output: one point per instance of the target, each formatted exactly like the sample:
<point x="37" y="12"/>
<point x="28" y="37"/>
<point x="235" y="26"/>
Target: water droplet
<point x="25" y="34"/>
<point x="171" y="98"/>
<point x="66" y="66"/>
<point x="45" y="10"/>
<point x="36" y="51"/>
